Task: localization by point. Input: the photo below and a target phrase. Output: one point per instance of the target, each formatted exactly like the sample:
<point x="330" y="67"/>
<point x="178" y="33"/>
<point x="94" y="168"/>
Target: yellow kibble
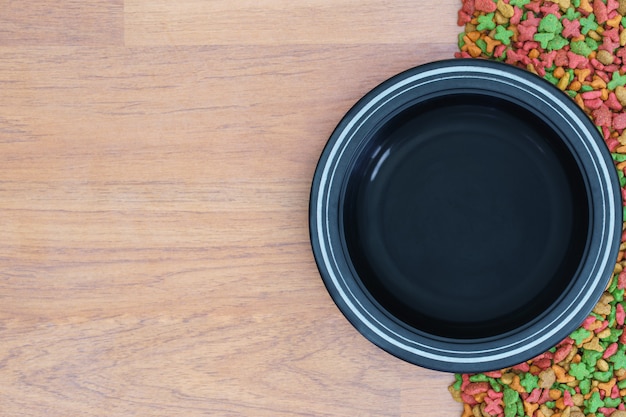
<point x="622" y="37"/>
<point x="563" y="82"/>
<point x="605" y="94"/>
<point x="594" y="35"/>
<point x="505" y="9"/>
<point x="500" y="19"/>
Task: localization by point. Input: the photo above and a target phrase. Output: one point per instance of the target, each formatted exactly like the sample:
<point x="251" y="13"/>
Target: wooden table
<point x="155" y="165"/>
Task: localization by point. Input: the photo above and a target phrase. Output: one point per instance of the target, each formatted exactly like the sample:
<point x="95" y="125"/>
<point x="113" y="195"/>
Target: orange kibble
<point x="575" y="85"/>
<point x="560" y="404"/>
<point x="584" y="4"/>
<point x="614" y="23"/>
<point x="620" y="149"/>
<point x="515" y="384"/>
<point x="561" y="375"/>
<point x="480" y="397"/>
<point x="534" y="53"/>
<point x="474" y="50"/>
<point x="534" y="369"/>
<point x="621" y="165"/>
<point x="467" y="411"/>
<point x="605" y="93"/>
<point x="582" y="74"/>
<point x="598" y="83"/>
<point x="577" y="358"/>
<point x="592" y="55"/>
<point x="620" y="256"/>
<point x="558" y="72"/>
<point x="555" y="394"/>
<point x="607" y="386"/>
<point x="491" y="44"/>
<point x="529" y="408"/>
<point x="474" y="36"/>
<point x="622" y="392"/>
<point x="579" y="100"/>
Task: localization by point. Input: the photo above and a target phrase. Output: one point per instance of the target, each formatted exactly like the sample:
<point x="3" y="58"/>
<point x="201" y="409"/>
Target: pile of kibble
<point x="578" y="45"/>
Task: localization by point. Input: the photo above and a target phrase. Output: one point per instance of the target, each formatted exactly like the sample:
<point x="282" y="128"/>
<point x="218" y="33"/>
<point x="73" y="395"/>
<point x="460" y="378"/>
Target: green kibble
<point x="581" y="333"/>
<point x="621" y="384"/>
<point x="586" y="88"/>
<point x="520" y="3"/>
<point x="594" y="403"/>
<point x="548" y="76"/>
<point x="458" y="382"/>
<point x="576" y="3"/>
<point x="543" y="38"/>
<point x="585" y="386"/>
<point x="590" y="357"/>
<point x="571" y="14"/>
<point x="495" y="385"/>
<point x="479" y="378"/>
<point x="619" y="294"/>
<point x="550" y="404"/>
<point x="461" y="40"/>
<point x="612" y="402"/>
<point x="550" y="23"/>
<point x="571" y="93"/>
<point x="558" y="43"/>
<point x="616" y="80"/>
<point x="529" y="381"/>
<point x="603" y="376"/>
<point x="592" y="43"/>
<point x="580" y="48"/>
<point x="503" y="35"/>
<point x="588" y="23"/>
<point x="486" y="22"/>
<point x="579" y="371"/>
<point x="619" y="157"/>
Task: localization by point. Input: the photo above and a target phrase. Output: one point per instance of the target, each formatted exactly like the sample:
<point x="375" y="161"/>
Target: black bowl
<point x="465" y="215"/>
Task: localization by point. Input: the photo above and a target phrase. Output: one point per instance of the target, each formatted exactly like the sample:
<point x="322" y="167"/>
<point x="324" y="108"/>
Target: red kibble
<point x="610" y="350"/>
<point x="517" y="16"/>
<point x="591" y="95"/>
<point x="534" y="6"/>
<point x="615" y="391"/>
<point x="463" y="18"/>
<point x="612" y="5"/>
<point x="543" y="363"/>
<point x="576" y="61"/>
<point x="619" y="121"/>
<point x="547" y="58"/>
<point x="464" y="381"/>
<point x="493" y="374"/>
<point x="596" y="64"/>
<point x="613" y="103"/>
<point x="526" y="32"/>
<point x="602" y="116"/>
<point x="600" y="11"/>
<point x="594" y="104"/>
<point x="561" y="58"/>
<point x="493" y="408"/>
<point x="567" y="399"/>
<point x="612" y="144"/>
<point x="474" y="388"/>
<point x="499" y="50"/>
<point x="571" y="28"/>
<point x="523" y="367"/>
<point x="468" y="399"/>
<point x="545" y="396"/>
<point x="534" y="396"/>
<point x="485" y="6"/>
<point x="551" y="8"/>
<point x="606" y="411"/>
<point x="494" y="395"/>
<point x="561" y="353"/>
<point x="603" y="326"/>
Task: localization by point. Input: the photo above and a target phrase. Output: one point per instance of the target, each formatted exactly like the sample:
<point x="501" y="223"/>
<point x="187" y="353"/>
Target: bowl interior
<point x="465" y="216"/>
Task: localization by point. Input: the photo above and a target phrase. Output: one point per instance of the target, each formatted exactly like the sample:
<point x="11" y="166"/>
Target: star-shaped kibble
<point x="529" y="381"/>
<point x="579" y="335"/>
<point x="588" y="23"/>
<point x="571" y="28"/>
<point x="503" y="35"/>
<point x="618" y="360"/>
<point x="485" y="22"/>
<point x="579" y="371"/>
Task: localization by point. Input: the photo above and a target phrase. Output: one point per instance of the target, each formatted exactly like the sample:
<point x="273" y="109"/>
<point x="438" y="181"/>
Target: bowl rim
<point x="471" y="355"/>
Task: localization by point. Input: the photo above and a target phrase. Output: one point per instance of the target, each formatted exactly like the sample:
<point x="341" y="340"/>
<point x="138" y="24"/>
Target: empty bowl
<point x="465" y="215"/>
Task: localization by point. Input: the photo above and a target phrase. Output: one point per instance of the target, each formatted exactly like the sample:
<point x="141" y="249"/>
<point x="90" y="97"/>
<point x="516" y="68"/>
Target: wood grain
<point x="154" y="253"/>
